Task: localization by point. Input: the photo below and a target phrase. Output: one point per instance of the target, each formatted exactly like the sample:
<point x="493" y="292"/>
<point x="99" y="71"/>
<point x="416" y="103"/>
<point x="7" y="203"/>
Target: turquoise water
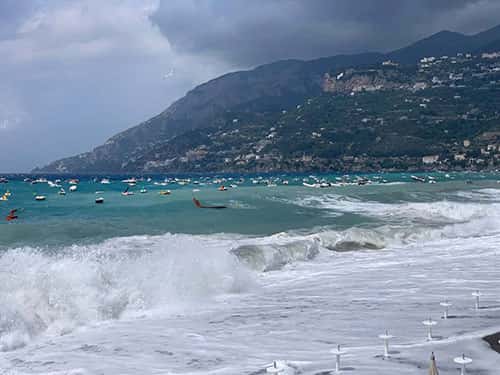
<point x="253" y="208"/>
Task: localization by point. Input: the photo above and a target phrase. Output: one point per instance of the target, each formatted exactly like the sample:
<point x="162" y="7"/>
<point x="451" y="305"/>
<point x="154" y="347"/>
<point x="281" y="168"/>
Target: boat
<point x="4" y="197"/>
<point x="3" y="180"/>
<point x="12" y="215"/>
<point x="62" y="191"/>
<point x="53" y="184"/>
<point x="73" y="188"/>
<point x="363" y="181"/>
<point x="143" y="191"/>
<point x="40" y="197"/>
<point x="417" y="179"/>
<point x="310" y="185"/>
<point x="198" y="204"/>
<point x="74" y="181"/>
<point x="132" y="180"/>
<point x="127" y="192"/>
<point x="165" y="192"/>
<point x="99" y="200"/>
<point x="105" y="181"/>
<point x="222" y="188"/>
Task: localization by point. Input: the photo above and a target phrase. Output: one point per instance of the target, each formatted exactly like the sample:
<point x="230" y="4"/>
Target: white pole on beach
<point x="386" y="337"/>
<point x="337" y="352"/>
<point x="446" y="306"/>
<point x="462" y="361"/>
<point x="477" y="294"/>
<point x="274" y="369"/>
<point x="429" y="324"/>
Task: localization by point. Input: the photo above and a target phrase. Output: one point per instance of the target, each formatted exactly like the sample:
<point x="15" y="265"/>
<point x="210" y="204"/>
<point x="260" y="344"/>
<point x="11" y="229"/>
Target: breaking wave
<point x="119" y="277"/>
<point x="440" y="212"/>
<point x="55" y="291"/>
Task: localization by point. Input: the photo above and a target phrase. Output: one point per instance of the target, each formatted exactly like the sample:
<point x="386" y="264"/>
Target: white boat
<point x="143" y="191"/>
<point x="310" y="185"/>
<point x="418" y="179"/>
<point x="105" y="181"/>
<point x="53" y="184"/>
<point x="132" y="180"/>
<point x="40" y="197"/>
<point x="126" y="193"/>
<point x="62" y="192"/>
<point x="99" y="200"/>
<point x="73" y="188"/>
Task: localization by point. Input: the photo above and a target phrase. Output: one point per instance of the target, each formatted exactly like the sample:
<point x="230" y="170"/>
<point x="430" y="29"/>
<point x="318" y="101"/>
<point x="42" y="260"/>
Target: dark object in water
<point x="12" y="215"/>
<point x="99" y="200"/>
<point x="493" y="341"/>
<point x="198" y="204"/>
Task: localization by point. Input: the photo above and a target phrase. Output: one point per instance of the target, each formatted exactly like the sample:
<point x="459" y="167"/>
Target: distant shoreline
<point x="249" y="173"/>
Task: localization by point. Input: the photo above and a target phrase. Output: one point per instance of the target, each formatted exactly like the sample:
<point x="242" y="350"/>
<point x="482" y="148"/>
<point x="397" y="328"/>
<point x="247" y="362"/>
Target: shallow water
<point x="152" y="284"/>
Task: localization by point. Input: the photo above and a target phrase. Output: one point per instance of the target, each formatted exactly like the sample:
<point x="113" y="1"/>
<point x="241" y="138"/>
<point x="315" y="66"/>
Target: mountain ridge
<point x="270" y="87"/>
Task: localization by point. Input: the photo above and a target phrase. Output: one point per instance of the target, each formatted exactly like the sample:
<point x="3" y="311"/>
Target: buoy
<point x="338" y="353"/>
<point x="429" y="323"/>
<point x="462" y="361"/>
<point x="477" y="294"/>
<point x="386" y="337"/>
<point x="446" y="306"/>
<point x="274" y="369"/>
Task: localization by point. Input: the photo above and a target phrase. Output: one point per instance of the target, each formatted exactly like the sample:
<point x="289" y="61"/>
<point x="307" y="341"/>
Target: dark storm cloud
<point x="246" y="33"/>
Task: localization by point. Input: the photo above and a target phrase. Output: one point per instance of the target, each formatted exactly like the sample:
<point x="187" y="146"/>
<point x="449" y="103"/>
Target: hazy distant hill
<point x="264" y="91"/>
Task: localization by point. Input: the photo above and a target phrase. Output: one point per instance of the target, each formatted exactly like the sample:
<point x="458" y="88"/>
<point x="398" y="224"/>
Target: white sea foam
<point x="429" y="212"/>
<point x="120" y="276"/>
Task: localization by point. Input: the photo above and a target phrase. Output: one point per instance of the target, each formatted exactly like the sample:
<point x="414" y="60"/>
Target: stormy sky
<point x="75" y="72"/>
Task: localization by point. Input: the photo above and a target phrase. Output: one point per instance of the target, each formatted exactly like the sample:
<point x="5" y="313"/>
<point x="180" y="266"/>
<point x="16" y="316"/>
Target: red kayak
<point x="198" y="204"/>
<point x="12" y="215"/>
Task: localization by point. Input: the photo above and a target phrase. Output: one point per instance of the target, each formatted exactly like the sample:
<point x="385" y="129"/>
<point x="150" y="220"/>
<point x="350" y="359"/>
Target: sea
<point x="291" y="268"/>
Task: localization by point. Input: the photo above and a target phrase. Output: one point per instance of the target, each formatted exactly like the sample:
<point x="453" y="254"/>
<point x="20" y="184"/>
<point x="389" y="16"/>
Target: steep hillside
<point x="266" y="90"/>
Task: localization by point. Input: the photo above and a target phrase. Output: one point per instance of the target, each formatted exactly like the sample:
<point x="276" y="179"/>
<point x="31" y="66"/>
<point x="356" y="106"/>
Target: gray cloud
<point x="253" y="32"/>
<point x="75" y="72"/>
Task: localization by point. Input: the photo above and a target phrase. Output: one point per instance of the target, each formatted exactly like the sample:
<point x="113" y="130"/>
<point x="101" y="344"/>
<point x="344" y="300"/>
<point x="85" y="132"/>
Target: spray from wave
<point x="58" y="292"/>
<point x="55" y="291"/>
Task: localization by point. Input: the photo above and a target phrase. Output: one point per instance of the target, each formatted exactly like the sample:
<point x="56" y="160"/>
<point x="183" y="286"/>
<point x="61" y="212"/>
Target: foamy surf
<point x="228" y="302"/>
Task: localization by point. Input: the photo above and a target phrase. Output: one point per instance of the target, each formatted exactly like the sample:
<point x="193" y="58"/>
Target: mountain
<point x="263" y="91"/>
<point x="446" y="43"/>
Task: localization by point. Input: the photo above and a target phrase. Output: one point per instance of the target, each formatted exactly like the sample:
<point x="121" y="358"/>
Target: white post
<point x="463" y="361"/>
<point x="337" y="352"/>
<point x="386" y="337"/>
<point x="274" y="369"/>
<point x="446" y="306"/>
<point x="429" y="323"/>
<point x="477" y="294"/>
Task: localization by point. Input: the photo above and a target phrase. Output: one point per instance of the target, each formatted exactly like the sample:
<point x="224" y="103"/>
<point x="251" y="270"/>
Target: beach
<point x="320" y="268"/>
